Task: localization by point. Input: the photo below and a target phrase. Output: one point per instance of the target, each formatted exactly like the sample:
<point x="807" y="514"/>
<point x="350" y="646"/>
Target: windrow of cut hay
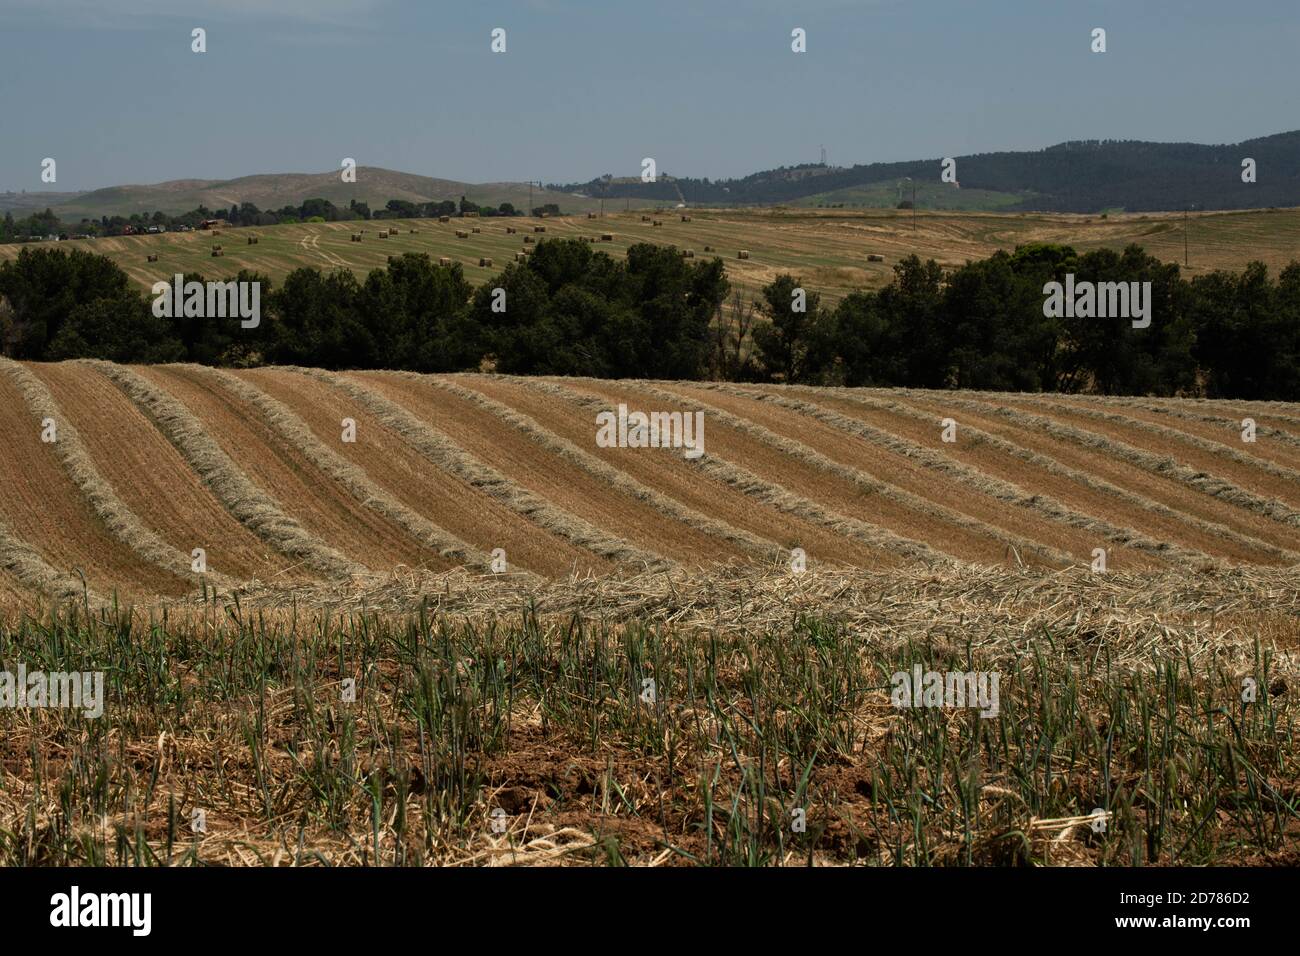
<point x="1071" y="496"/>
<point x="36" y="576"/>
<point x="120" y="520"/>
<point x="1253" y="474"/>
<point x="510" y="449"/>
<point x="1284" y="418"/>
<point x="665" y="469"/>
<point x="1026" y="429"/>
<point x="712" y="540"/>
<point x="324" y="509"/>
<point x="249" y="504"/>
<point x="1275" y="445"/>
<point x="876" y="545"/>
<point x="1057" y="424"/>
<point x="349" y="476"/>
<point x="405" y="475"/>
<point x="947" y="529"/>
<point x="799" y="480"/>
<point x="446" y="454"/>
<point x="45" y="510"/>
<point x="148" y="473"/>
<point x="1172" y="511"/>
<point x="511" y="442"/>
<point x="1030" y="519"/>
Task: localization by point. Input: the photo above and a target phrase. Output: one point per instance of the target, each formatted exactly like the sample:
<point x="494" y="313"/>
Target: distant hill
<point x="25" y="203"/>
<point x="275" y="190"/>
<point x="1087" y="176"/>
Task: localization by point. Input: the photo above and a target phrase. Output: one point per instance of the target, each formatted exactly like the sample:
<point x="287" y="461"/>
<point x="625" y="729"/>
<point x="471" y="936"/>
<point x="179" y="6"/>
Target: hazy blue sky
<point x="111" y="90"/>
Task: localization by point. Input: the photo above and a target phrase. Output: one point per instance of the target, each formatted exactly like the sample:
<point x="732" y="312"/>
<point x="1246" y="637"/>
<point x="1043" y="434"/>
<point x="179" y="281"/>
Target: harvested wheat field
<point x="289" y="479"/>
<point x="476" y="632"/>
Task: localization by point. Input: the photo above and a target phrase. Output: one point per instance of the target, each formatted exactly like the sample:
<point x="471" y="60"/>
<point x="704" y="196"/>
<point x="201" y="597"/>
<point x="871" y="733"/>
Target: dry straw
<point x="120" y="521"/>
<point x="249" y="504"/>
<point x="1164" y="431"/>
<point x="597" y="468"/>
<point x="449" y="456"/>
<point x="1051" y="465"/>
<point x="1208" y="484"/>
<point x="353" y="479"/>
<point x="872" y="485"/>
<point x="31" y="570"/>
<point x="997" y="488"/>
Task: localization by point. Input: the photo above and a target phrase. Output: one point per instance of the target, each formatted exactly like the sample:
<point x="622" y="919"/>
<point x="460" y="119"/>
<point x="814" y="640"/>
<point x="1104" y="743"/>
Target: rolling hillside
<point x="828" y="249"/>
<point x="1089" y="176"/>
<point x="275" y="190"/>
<point x="150" y="463"/>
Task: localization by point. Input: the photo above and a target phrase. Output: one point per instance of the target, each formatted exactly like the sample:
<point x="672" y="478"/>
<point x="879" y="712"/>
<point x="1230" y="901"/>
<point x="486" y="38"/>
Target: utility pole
<point x="1185" y="218"/>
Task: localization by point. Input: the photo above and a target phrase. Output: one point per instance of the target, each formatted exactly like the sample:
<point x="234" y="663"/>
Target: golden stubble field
<point x="474" y="636"/>
<point x="828" y="249"/>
